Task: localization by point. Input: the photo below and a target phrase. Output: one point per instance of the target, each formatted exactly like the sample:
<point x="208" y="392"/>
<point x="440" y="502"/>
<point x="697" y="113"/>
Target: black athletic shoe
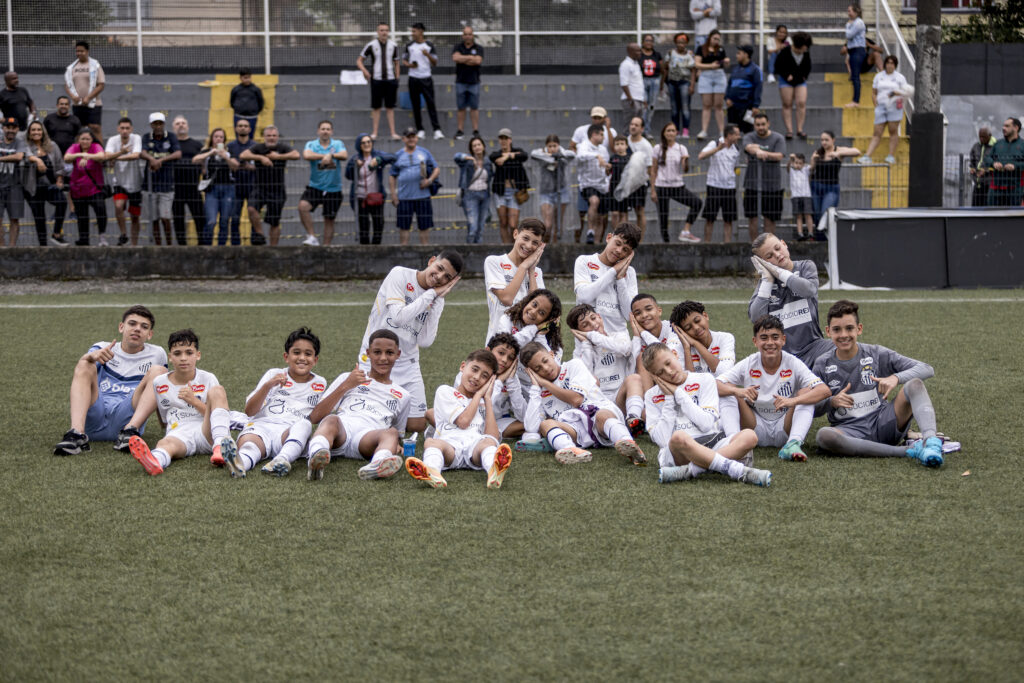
<point x="476" y="133"/>
<point x="122" y="438"/>
<point x="82" y="242"/>
<point x="121" y="241"/>
<point x="73" y="443"/>
<point x="257" y="239"/>
<point x="459" y="135"/>
<point x="58" y="241"/>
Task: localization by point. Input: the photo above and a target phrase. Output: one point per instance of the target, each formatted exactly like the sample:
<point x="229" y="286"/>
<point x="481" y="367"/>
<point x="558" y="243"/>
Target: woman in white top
<point x="671" y="161"/>
<point x="887" y="90"/>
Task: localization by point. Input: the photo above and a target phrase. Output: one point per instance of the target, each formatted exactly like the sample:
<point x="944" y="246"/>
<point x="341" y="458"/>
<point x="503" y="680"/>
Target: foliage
<point x="999" y="21"/>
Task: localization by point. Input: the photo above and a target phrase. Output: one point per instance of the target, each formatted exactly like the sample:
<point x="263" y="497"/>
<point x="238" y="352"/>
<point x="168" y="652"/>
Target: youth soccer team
<point x="676" y="380"/>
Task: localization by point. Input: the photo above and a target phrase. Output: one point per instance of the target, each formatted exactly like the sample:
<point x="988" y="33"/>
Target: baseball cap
<point x="504" y="133"/>
<point x="411" y="130"/>
<point x="157" y="116"/>
<point x="10" y="121"/>
<point x="598" y="111"/>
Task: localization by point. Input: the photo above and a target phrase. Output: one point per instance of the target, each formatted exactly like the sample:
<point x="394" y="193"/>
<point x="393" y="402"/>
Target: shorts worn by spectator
<point x="383" y="73"/>
<point x="160" y="150"/>
<point x="762" y="184"/>
<point x="12" y="200"/>
<point x="83" y="82"/>
<point x="420" y="58"/>
<point x="412" y="174"/>
<point x="186" y="183"/>
<point x="15" y="101"/>
<point x="271" y="157"/>
<point x="246" y="99"/>
<point x="324" y="155"/>
<point x="631" y="81"/>
<point x="467" y="56"/>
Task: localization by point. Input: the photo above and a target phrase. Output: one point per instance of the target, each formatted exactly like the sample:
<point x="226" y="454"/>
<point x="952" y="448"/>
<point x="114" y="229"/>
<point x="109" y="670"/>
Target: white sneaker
<point x="771" y="78"/>
<point x="864" y="160"/>
<point x="438" y="134"/>
<point x="311" y="241"/>
<point x="103" y="241"/>
<point x="703" y="135"/>
<point x="421" y="134"/>
<point x="687" y="236"/>
<point x="890" y="159"/>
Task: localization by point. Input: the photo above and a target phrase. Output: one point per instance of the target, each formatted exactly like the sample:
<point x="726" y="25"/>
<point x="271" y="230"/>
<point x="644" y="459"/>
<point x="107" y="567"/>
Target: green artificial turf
<point x="845" y="569"/>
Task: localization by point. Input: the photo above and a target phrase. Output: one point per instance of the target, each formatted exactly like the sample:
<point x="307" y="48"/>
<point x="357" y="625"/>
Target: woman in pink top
<point x="671" y="161"/>
<point x="86" y="158"/>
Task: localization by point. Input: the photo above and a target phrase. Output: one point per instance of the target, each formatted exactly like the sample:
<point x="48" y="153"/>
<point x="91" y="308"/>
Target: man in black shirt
<point x="270" y="156"/>
<point x="186" y="182"/>
<point x="246" y="99"/>
<point x="244" y="176"/>
<point x="15" y="101"/>
<point x="62" y="126"/>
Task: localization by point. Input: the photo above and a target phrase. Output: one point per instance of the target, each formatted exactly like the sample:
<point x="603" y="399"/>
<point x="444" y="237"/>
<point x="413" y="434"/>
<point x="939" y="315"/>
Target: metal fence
<point x="519" y="36"/>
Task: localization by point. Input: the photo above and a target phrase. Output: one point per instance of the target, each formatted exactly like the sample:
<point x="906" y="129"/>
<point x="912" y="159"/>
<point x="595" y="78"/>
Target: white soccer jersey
<point x="507" y="397"/>
<point x="376" y="405"/>
<point x="791" y="376"/>
<point x="449" y="403"/>
<point x="498" y="273"/>
<point x="607" y="358"/>
<point x="122" y="373"/>
<point x="646" y="339"/>
<point x="596" y="284"/>
<point x="174" y="412"/>
<point x="573" y="376"/>
<point x="693" y="409"/>
<point x="288" y="402"/>
<point x="406" y="309"/>
<point x="723" y="347"/>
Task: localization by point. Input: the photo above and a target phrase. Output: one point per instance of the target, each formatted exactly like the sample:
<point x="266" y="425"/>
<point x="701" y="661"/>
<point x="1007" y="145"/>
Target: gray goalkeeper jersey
<point x="796" y="305"/>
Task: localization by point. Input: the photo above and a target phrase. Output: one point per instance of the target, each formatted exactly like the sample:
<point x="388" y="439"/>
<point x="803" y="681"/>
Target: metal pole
<point x="138" y="34"/>
<point x="10" y="37"/>
<point x="888" y="184"/>
<point x="760" y="33"/>
<point x="518" y="65"/>
<point x="878" y="10"/>
<point x="266" y="36"/>
<point x="640" y="21"/>
<point x="391" y="23"/>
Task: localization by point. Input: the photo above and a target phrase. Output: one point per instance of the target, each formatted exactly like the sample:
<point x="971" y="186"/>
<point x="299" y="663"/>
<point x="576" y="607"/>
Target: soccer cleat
<point x="636" y="426"/>
<point x="688" y="237"/>
<point x="536" y="446"/>
<point x="278" y="466"/>
<point x="418" y="469"/>
<point x="140" y="451"/>
<point x="73" y="443"/>
<point x="757" y="477"/>
<point x="382" y="469"/>
<point x="629" y="449"/>
<point x="316" y="464"/>
<point x="667" y="475"/>
<point x="572" y="455"/>
<point x="793" y="451"/>
<point x="502" y="459"/>
<point x="229" y="452"/>
<point x="928" y="451"/>
<point x="311" y="241"/>
<point x="217" y="460"/>
<point x="123" y="436"/>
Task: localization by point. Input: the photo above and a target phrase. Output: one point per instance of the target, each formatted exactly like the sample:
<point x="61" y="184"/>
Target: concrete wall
<point x="351" y="262"/>
<point x="982" y="69"/>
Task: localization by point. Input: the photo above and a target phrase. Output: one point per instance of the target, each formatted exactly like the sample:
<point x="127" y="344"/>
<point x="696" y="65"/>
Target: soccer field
<point x="849" y="569"/>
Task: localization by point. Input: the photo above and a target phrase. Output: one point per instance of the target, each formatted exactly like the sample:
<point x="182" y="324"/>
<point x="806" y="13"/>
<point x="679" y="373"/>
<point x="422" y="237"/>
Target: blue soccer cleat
<point x="927" y="451"/>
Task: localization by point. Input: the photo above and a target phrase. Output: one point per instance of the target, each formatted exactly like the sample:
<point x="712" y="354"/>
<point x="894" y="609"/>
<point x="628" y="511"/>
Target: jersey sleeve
<point x="446" y="406"/>
<point x="540" y="278"/>
<point x="905" y="369"/>
<point x="804" y="377"/>
<point x="736" y="374"/>
<point x="804" y="281"/>
<point x="494" y="278"/>
<point x="263" y="380"/>
<point x="625" y="290"/>
<point x="515" y="396"/>
<point x="726" y="354"/>
<point x="661" y="418"/>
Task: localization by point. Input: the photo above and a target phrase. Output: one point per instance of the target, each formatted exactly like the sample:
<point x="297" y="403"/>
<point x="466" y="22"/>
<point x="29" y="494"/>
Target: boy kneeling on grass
<point x="682" y="418"/>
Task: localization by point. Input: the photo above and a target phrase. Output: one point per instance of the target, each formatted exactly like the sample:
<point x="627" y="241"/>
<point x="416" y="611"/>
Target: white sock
<point x="220" y="424"/>
<point x="318" y="442"/>
<point x="616" y="431"/>
<point x="730" y="415"/>
<point x="634" y="406"/>
<point x="380" y="455"/>
<point x="250" y="453"/>
<point x="731" y="468"/>
<point x="695" y="470"/>
<point x="559" y="439"/>
<point x="162" y="457"/>
<point x="487" y="457"/>
<point x="298" y="435"/>
<point x="802" y="418"/>
<point x="433" y="457"/>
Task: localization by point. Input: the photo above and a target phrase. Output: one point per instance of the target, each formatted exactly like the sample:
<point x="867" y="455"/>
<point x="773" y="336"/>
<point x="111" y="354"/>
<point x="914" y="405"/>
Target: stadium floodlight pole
<point x="926" y="145"/>
<point x="138" y="34"/>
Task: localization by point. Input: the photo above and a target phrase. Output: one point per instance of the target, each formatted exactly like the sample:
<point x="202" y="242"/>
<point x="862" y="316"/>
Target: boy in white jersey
<point x="467" y="434"/>
<point x="648" y="328"/>
<point x="702" y="349"/>
<point x="363" y="415"/>
<point x="278" y="408"/>
<point x="567" y="407"/>
<point x="110" y="395"/>
<point x="861" y="376"/>
<point x="774" y="392"/>
<point x="608" y="359"/>
<point x="606" y="280"/>
<point x="510" y="277"/>
<point x="192" y="406"/>
<point x="682" y="418"/>
<point x="410" y="303"/>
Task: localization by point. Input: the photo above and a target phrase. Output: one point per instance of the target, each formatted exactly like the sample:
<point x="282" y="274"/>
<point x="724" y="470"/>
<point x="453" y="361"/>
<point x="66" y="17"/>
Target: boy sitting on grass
<point x="702" y="349"/>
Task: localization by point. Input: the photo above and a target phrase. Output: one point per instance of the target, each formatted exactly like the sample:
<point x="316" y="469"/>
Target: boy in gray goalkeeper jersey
<point x="788" y="290"/>
<point x="862" y="421"/>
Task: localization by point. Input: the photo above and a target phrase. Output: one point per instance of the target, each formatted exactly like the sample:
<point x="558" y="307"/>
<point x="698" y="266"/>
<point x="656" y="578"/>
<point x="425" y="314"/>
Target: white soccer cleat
<point x="667" y="475"/>
<point x="316" y="464"/>
<point x="382" y="469"/>
<point x="756" y="477"/>
<point x="232" y="459"/>
<point x="572" y="455"/>
<point x="279" y="467"/>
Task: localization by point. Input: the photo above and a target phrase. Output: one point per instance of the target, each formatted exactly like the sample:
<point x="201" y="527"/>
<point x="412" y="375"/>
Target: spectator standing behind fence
<point x="244" y="180"/>
<point x="86" y="157"/>
<point x="271" y="157"/>
<point x="126" y="149"/>
<point x="762" y="185"/>
<point x="383" y="74"/>
<point x="246" y="99"/>
<point x="780" y="39"/>
<point x="367" y="193"/>
<point x="723" y="156"/>
<point x="1007" y="166"/>
<point x="631" y="80"/>
<point x="186" y="182"/>
<point x="650" y="66"/>
<point x="12" y="197"/>
<point x="826" y="162"/>
<point x="800" y="194"/>
<point x="420" y="58"/>
<point x="44" y="183"/>
<point x="705" y="15"/>
<point x="598" y="117"/>
<point x="887" y="91"/>
<point x="679" y="74"/>
<point x="640" y="145"/>
<point x="592" y="169"/>
<point x="979" y="163"/>
<point x="160" y="150"/>
<point x="510" y="184"/>
<point x="743" y="94"/>
<point x="468" y="56"/>
<point x="711" y="64"/>
<point x="62" y="126"/>
<point x="554" y="186"/>
<point x="856" y="49"/>
<point x="412" y="174"/>
<point x="475" y="174"/>
<point x="793" y="67"/>
<point x="671" y="162"/>
<point x="84" y="80"/>
<point x="218" y="167"/>
<point x="15" y="101"/>
<point x="324" y="155"/>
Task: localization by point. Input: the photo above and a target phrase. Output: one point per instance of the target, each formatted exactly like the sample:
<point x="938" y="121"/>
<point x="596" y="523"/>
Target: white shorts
<point x="192" y="436"/>
<point x="409" y="377"/>
<point x="464" y="445"/>
<point x="504" y="422"/>
<point x="269" y="432"/>
<point x="355" y="430"/>
<point x="582" y="424"/>
<point x="771" y="433"/>
<point x="665" y="458"/>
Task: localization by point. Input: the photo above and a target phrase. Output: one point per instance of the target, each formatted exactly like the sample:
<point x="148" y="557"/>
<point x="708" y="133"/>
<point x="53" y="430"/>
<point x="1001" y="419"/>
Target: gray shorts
<point x="882" y="427"/>
<point x="802" y="205"/>
<point x="12" y="200"/>
<point x="160" y="204"/>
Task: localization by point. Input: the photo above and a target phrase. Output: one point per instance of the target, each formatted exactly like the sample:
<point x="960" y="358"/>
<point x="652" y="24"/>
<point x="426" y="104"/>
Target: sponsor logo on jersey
<point x="197" y="388"/>
<point x="831" y="368"/>
<point x="506" y="266"/>
<point x="866" y="360"/>
<point x="561" y="375"/>
<point x="755" y="373"/>
<point x="396" y="393"/>
<point x="593" y="266"/>
<point x="287" y="383"/>
<point x="714" y="350"/>
<point x="162" y="388"/>
<point x="318" y="386"/>
<point x="786" y="373"/>
<point x="613" y="378"/>
<point x="458" y="395"/>
<point x="691" y="388"/>
<point x="834" y="383"/>
<point x="545" y="393"/>
<point x="660" y="398"/>
<point x="409" y="287"/>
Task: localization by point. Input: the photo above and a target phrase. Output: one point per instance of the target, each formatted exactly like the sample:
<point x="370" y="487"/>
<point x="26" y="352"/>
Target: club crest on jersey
<point x="785" y="390"/>
<point x="786" y="373"/>
<point x="755" y="373"/>
<point x="318" y="386"/>
<point x="691" y="388"/>
<point x="409" y="287"/>
<point x="865" y="374"/>
<point x="162" y="389"/>
<point x="660" y="398"/>
<point x="396" y="393"/>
